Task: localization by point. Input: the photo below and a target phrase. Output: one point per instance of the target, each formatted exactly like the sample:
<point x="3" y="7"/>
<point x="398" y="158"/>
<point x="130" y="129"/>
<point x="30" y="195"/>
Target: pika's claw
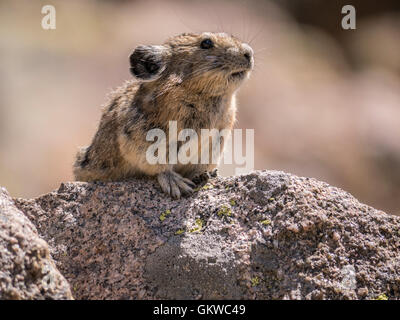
<point x="174" y="184"/>
<point x="163" y="181"/>
<point x="175" y="192"/>
<point x="190" y="183"/>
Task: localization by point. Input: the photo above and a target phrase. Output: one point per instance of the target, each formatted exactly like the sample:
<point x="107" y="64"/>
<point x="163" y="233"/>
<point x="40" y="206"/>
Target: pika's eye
<point x="206" y="44"/>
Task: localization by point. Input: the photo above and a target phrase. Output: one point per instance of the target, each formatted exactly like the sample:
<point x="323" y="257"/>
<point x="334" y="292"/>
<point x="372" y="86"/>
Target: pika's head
<point x="207" y="61"/>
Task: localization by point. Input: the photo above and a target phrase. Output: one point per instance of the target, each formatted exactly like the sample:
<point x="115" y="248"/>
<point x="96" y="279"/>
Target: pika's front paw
<point x="202" y="178"/>
<point x="213" y="173"/>
<point x="174" y="184"/>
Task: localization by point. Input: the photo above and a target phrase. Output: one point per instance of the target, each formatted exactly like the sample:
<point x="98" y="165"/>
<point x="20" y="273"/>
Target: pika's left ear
<point x="147" y="62"/>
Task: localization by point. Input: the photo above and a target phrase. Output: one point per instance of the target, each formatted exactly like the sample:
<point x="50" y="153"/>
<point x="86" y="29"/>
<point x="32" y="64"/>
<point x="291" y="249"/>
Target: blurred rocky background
<point x="324" y="102"/>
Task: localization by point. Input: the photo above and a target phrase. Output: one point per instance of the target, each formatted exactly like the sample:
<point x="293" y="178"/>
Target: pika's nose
<point x="248" y="52"/>
<point x="247" y="56"/>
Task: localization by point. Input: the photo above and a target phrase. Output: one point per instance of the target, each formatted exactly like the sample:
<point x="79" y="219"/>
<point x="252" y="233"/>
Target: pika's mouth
<point x="238" y="75"/>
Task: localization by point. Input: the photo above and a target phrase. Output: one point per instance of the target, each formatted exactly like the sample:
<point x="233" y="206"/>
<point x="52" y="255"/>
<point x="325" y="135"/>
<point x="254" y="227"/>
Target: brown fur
<point x="194" y="86"/>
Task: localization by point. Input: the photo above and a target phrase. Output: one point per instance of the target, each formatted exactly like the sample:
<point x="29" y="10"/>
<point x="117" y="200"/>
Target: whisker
<point x="257" y="34"/>
<point x="262" y="49"/>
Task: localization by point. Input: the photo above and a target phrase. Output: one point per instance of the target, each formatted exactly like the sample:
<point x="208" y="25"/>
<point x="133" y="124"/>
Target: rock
<point x="26" y="268"/>
<point x="265" y="235"/>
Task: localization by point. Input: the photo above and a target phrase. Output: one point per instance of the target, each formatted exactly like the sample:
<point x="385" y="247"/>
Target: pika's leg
<point x="170" y="181"/>
<point x="174" y="184"/>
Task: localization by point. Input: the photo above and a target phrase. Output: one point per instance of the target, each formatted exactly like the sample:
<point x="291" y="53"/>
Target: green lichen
<point x="207" y="186"/>
<point x="198" y="226"/>
<point x="271" y="199"/>
<point x="255" y="281"/>
<point x="382" y="297"/>
<point x="232" y="202"/>
<point x="164" y="214"/>
<point x="179" y="232"/>
<point x="224" y="211"/>
<point x="265" y="222"/>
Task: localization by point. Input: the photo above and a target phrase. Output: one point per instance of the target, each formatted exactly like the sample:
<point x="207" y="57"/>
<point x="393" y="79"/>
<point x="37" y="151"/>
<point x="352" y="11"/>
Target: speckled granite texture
<point x="265" y="235"/>
<point x="26" y="269"/>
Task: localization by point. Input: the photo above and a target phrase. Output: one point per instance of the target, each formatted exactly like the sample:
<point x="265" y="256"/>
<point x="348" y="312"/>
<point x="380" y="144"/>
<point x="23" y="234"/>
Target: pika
<point x="191" y="79"/>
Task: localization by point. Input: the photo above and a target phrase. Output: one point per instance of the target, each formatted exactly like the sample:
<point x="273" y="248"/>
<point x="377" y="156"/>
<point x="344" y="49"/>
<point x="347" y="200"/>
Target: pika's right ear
<point x="147" y="62"/>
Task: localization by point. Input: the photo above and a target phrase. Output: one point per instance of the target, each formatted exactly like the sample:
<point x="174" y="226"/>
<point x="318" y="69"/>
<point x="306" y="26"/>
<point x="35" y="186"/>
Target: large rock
<point x="26" y="268"/>
<point x="265" y="235"/>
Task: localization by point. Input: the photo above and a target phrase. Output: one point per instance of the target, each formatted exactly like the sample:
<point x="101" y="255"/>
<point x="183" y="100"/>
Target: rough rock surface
<point x="26" y="269"/>
<point x="265" y="235"/>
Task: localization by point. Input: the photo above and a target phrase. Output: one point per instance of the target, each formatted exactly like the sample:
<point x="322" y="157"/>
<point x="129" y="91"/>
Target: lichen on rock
<point x="283" y="237"/>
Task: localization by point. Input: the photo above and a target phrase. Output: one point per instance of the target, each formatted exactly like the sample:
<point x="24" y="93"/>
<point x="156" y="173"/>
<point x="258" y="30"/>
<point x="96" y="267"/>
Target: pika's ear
<point x="147" y="62"/>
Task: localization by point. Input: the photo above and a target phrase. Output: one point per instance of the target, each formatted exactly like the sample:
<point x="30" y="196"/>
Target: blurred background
<point x="324" y="102"/>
